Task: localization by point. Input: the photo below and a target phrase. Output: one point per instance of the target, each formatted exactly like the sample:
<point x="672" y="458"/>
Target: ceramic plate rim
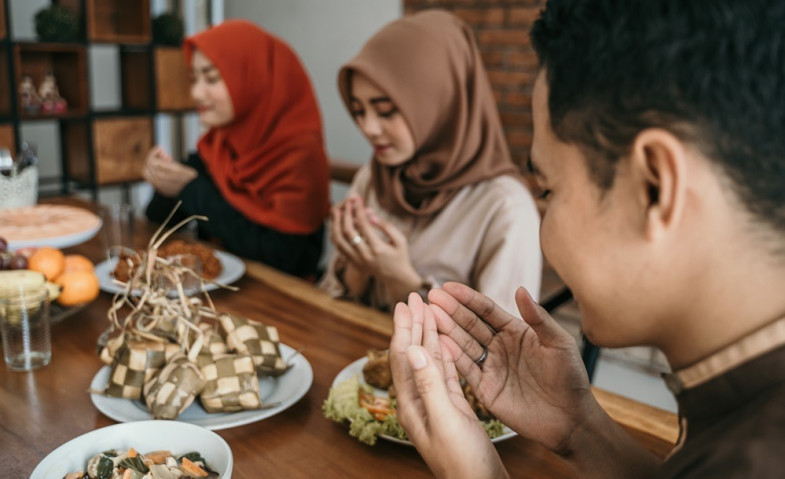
<point x="233" y="268"/>
<point x="63" y="241"/>
<point x="356" y="368"/>
<point x="125" y="410"/>
<point x="44" y="465"/>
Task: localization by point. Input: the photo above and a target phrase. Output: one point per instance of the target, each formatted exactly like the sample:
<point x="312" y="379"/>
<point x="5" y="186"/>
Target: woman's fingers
<point x="417" y="309"/>
<point x="396" y="237"/>
<point x="399" y="344"/>
<point x="364" y="226"/>
<point x="338" y="235"/>
<point x="429" y="381"/>
<point x="430" y="335"/>
<point x="356" y="240"/>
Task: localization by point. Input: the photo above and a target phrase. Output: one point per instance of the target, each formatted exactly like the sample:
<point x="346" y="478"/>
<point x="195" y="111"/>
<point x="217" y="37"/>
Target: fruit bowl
<point x="59" y="313"/>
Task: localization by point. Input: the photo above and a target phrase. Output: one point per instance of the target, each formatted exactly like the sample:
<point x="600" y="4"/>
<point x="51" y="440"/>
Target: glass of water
<point x="24" y="324"/>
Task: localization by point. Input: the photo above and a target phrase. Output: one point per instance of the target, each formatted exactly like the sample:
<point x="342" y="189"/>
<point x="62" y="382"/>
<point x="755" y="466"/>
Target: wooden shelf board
<point x="68" y="62"/>
<point x="172" y="80"/>
<point x="119" y="21"/>
<point x="135" y="78"/>
<point x="7" y="138"/>
<point x="3" y="32"/>
<point x="5" y="84"/>
<point x="74" y="114"/>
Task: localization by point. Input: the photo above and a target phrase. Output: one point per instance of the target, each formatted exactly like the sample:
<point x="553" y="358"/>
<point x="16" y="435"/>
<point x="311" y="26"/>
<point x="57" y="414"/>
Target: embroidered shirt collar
<point x="751" y="346"/>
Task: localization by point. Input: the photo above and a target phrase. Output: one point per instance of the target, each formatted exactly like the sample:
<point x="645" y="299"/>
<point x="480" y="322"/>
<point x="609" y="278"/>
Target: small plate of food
<point x="217" y="267"/>
<point x="363" y="394"/>
<point x="159" y="448"/>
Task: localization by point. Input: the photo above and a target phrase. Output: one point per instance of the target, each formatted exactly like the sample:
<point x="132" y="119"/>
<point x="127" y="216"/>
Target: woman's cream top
<point x="487" y="237"/>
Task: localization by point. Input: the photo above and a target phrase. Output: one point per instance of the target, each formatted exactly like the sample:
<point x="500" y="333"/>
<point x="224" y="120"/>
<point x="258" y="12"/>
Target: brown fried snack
<point x="376" y="371"/>
<point x="478" y="407"/>
<point x="211" y="265"/>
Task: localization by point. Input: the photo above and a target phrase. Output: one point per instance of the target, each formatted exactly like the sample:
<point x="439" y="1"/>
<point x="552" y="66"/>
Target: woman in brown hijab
<point x="441" y="199"/>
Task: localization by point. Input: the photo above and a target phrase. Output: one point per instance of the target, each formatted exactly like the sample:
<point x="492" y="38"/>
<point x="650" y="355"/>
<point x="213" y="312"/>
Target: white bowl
<point x="144" y="436"/>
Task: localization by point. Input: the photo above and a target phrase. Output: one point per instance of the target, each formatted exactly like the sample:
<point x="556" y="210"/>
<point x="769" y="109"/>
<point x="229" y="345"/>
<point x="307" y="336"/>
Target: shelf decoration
<point x="56" y="24"/>
<point x="51" y="101"/>
<point x="29" y="100"/>
<point x="168" y="29"/>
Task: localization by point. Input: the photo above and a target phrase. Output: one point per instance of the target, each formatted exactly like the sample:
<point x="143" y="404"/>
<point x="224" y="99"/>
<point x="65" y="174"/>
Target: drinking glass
<point x="118" y="228"/>
<point x="24" y="323"/>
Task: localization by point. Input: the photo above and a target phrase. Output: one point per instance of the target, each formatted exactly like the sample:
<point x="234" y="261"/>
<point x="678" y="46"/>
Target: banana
<point x="54" y="290"/>
<point x="11" y="281"/>
<point x="21" y="277"/>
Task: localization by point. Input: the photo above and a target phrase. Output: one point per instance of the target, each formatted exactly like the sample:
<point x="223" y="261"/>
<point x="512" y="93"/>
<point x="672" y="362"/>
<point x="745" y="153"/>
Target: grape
<point x="18" y="262"/>
<point x="3" y="245"/>
<point x="5" y="261"/>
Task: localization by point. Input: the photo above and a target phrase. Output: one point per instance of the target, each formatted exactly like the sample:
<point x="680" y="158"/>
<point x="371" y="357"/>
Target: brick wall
<point x="502" y="31"/>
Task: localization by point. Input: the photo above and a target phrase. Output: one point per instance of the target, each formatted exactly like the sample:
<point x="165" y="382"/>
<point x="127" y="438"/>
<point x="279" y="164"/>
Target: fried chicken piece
<point x="376" y="371"/>
<point x="211" y="265"/>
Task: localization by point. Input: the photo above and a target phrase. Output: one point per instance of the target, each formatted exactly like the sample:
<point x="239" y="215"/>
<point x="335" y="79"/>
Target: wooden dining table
<point x="42" y="409"/>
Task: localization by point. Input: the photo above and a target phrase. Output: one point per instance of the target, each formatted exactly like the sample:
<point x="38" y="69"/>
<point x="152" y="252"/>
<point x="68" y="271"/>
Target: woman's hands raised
<point x="372" y="248"/>
<point x="167" y="176"/>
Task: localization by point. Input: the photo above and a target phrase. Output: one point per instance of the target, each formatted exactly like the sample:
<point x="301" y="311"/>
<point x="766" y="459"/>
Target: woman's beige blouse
<point x="487" y="237"/>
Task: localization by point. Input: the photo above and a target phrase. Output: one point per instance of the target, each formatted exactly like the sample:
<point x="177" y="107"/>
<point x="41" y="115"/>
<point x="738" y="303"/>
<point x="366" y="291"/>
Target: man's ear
<point x="659" y="160"/>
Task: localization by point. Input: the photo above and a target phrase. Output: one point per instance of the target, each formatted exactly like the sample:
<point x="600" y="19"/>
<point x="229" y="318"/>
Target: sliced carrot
<point x="158" y="457"/>
<point x="127" y="474"/>
<point x="193" y="469"/>
<point x="132" y="453"/>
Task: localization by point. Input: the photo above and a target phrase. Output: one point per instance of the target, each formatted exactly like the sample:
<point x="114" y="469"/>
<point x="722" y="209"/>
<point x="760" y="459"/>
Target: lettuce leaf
<point x="342" y="404"/>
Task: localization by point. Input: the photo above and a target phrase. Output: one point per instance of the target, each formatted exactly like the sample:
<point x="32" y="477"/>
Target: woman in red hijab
<point x="260" y="171"/>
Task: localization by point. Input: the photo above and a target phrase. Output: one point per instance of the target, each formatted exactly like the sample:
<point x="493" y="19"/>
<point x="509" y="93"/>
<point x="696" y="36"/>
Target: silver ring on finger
<point x="481" y="360"/>
<point x="357" y="240"/>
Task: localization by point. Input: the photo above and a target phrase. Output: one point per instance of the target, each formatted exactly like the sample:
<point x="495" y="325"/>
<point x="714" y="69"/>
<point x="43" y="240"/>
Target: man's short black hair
<point x="710" y="71"/>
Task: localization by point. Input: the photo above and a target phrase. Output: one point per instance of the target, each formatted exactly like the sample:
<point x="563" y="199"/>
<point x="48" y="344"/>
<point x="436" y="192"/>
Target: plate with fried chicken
<point x="216" y="267"/>
<point x="363" y="395"/>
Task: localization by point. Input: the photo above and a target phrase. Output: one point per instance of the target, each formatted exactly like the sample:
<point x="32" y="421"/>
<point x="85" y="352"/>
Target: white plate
<point x="285" y="390"/>
<point x="232" y="269"/>
<point x="63" y="241"/>
<point x="145" y="436"/>
<point x="63" y="217"/>
<point x="356" y="369"/>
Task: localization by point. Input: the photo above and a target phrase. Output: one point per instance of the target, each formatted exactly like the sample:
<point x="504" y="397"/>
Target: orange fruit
<point x="78" y="287"/>
<point x="77" y="262"/>
<point x="49" y="261"/>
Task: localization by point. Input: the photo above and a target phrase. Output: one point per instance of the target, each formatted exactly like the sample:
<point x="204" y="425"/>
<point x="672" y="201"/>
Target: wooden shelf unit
<point x="171" y="75"/>
<point x="68" y="63"/>
<point x="5" y="85"/>
<point x="7" y="139"/>
<point x="119" y="21"/>
<point x="118" y="145"/>
<point x="97" y="147"/>
<point x="3" y="28"/>
<point x="135" y="74"/>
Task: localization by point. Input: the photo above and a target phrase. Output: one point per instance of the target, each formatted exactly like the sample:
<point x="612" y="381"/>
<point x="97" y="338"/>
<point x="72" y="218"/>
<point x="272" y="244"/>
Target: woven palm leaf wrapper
<point x="212" y="342"/>
<point x="232" y="384"/>
<point x="259" y="340"/>
<point x="136" y="363"/>
<point x="174" y="388"/>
